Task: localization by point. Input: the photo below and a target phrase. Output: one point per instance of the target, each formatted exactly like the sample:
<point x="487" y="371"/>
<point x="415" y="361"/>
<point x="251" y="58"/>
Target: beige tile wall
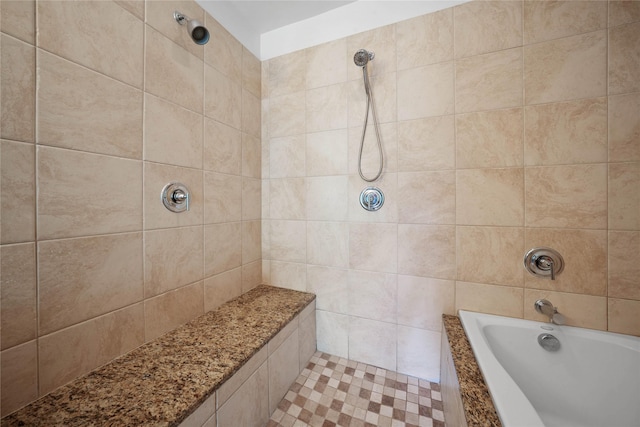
<point x="92" y="264"/>
<point x="506" y="125"/>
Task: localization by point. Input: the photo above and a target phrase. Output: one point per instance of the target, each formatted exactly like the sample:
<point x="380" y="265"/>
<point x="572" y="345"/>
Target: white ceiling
<point x="269" y="28"/>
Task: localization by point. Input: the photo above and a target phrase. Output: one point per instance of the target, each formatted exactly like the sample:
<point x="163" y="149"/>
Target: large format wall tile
<point x="172" y="309"/>
<point x="222" y="148"/>
<point x="88" y="184"/>
<point x="222" y="198"/>
<point x="427" y="250"/>
<point x="326" y="108"/>
<point x="327" y="153"/>
<point x="71" y="352"/>
<point x="623" y="12"/>
<point x="491" y="299"/>
<point x="566" y="196"/>
<point x="19" y="19"/>
<point x="287" y="198"/>
<point x="251" y="241"/>
<point x="223" y="98"/>
<point x="566" y="133"/>
<point x="552" y="20"/>
<point x="18" y="294"/>
<point x="17" y="89"/>
<point x="326" y="198"/>
<point x="288" y="240"/>
<point x="373" y="247"/>
<point x="224" y="52"/>
<point x="424" y="40"/>
<point x="287" y="156"/>
<point x="426" y="91"/>
<point x="583" y="311"/>
<point x="326" y="64"/>
<point x="564" y="69"/>
<point x="373" y="342"/>
<point x="327" y="243"/>
<point x="487" y="26"/>
<point x="624" y="264"/>
<point x="76" y="31"/>
<point x="172" y="258"/>
<point x="84" y="110"/>
<point x="427" y="197"/>
<point x="624" y="128"/>
<point x="418" y="353"/>
<point x="427" y="144"/>
<point x="624" y="59"/>
<point x="422" y="301"/>
<point x="373" y="295"/>
<point x="19" y="376"/>
<point x="222" y="288"/>
<point x="330" y="286"/>
<point x="623" y="316"/>
<point x="87" y="277"/>
<point x="159" y="15"/>
<point x="18" y="208"/>
<point x="222" y="247"/>
<point x="624" y="196"/>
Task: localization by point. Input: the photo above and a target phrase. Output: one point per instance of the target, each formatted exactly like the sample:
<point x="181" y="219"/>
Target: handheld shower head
<point x="362" y="57"/>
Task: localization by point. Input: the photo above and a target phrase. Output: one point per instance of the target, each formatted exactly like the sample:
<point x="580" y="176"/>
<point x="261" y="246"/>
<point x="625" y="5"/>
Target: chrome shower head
<point x="197" y="31"/>
<point x="362" y="57"/>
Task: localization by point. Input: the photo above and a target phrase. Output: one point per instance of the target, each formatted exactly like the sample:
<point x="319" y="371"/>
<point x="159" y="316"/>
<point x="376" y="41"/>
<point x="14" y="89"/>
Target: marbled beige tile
<point x="373" y="296"/>
<point x="427" y="197"/>
<point x="373" y="247"/>
<point x="224" y="51"/>
<point x="330" y="285"/>
<point x="156" y="215"/>
<point x="172" y="135"/>
<point x="18" y="207"/>
<point x="566" y="196"/>
<point x="222" y="98"/>
<point x="370" y="165"/>
<point x="251" y="73"/>
<point x="251" y="156"/>
<point x="88" y="183"/>
<point x="382" y="42"/>
<point x="388" y="213"/>
<point x="172" y="258"/>
<point x="288" y="240"/>
<point x="287" y="157"/>
<point x="287" y="198"/>
<point x="427" y="144"/>
<point x="424" y="40"/>
<point x="487" y="26"/>
<point x="566" y="133"/>
<point x="283" y="369"/>
<point x="624" y="59"/>
<point x="489" y="81"/>
<point x="172" y="309"/>
<point x="624" y="127"/>
<point x="623" y="316"/>
<point x="326" y="198"/>
<point x="84" y="110"/>
<point x="252" y="276"/>
<point x="288" y="275"/>
<point x="490" y="197"/>
<point x="623" y="12"/>
<point x="585" y="256"/>
<point x="385" y="95"/>
<point x="326" y="108"/>
<point x="504" y="264"/>
<point x="251" y="241"/>
<point x="287" y="115"/>
<point x="87" y="277"/>
<point x="19" y="376"/>
<point x="159" y="15"/>
<point x="222" y="148"/>
<point x="18" y="294"/>
<point x="326" y="64"/>
<point x="19" y="19"/>
<point x="17" y="89"/>
<point x="175" y="74"/>
<point x="251" y="198"/>
<point x="426" y="91"/>
<point x="373" y="342"/>
<point x="222" y="247"/>
<point x="427" y="251"/>
<point x="624" y="196"/>
<point x="547" y="20"/>
<point x="136" y="7"/>
<point x="327" y="153"/>
<point x="251" y="114"/>
<point x="328" y="243"/>
<point x="568" y="68"/>
<point x="223" y="198"/>
<point x="76" y="31"/>
<point x="419" y="353"/>
<point x="75" y="351"/>
<point x="222" y="288"/>
<point x="624" y="264"/>
<point x="287" y="73"/>
<point x="583" y="311"/>
<point x="491" y="299"/>
<point x="489" y="139"/>
<point x="249" y="405"/>
<point x="333" y="333"/>
<point x="423" y="301"/>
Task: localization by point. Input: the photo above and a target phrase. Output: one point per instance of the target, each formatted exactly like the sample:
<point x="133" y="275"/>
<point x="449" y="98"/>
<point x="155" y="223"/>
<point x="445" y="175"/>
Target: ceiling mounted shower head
<point x="362" y="57"/>
<point x="197" y="31"/>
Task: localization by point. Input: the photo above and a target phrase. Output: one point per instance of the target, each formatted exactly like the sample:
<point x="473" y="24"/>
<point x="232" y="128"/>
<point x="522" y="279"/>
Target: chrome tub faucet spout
<point x="545" y="307"/>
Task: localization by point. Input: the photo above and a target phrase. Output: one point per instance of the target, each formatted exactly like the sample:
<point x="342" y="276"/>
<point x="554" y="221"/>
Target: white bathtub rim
<point x="512" y="406"/>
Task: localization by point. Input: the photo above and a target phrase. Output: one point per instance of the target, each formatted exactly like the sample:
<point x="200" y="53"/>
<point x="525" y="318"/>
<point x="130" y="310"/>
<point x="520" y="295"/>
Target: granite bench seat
<point x="175" y="378"/>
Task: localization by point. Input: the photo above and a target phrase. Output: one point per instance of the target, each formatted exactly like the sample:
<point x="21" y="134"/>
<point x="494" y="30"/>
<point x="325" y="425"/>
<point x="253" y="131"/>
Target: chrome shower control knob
<point x="371" y="198"/>
<point x="544" y="262"/>
<point x="175" y="197"/>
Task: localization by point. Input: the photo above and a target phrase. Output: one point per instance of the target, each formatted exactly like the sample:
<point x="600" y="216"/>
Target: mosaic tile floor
<point x="332" y="391"/>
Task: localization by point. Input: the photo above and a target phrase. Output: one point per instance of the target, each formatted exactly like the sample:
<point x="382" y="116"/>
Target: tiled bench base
<point x="229" y="367"/>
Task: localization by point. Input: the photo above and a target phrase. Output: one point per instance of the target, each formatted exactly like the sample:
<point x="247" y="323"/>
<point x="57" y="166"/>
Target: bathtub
<point x="593" y="379"/>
